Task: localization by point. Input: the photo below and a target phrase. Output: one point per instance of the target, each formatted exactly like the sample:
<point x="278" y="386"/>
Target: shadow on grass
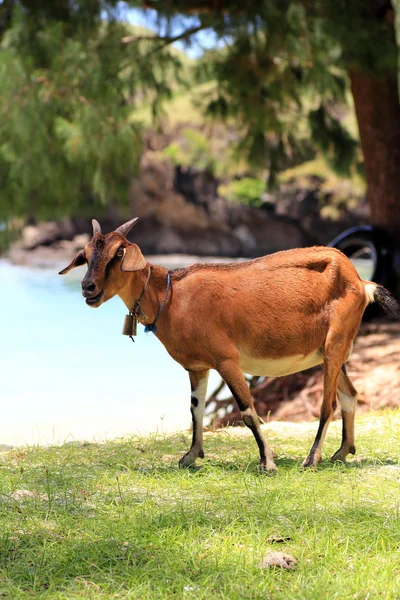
<point x="130" y="459"/>
<point x="290" y="464"/>
<point x="327" y="464"/>
<point x="144" y="552"/>
<point x="285" y="464"/>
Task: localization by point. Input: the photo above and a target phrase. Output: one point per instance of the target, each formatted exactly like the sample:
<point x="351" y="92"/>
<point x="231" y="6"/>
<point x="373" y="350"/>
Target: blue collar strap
<point x="153" y="327"/>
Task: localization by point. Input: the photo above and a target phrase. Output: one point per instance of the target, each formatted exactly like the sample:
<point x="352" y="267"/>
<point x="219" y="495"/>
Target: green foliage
<point x="192" y="150"/>
<point x="68" y="142"/>
<point x="333" y="139"/>
<point x="74" y="78"/>
<point x="247" y="190"/>
<point x="272" y="80"/>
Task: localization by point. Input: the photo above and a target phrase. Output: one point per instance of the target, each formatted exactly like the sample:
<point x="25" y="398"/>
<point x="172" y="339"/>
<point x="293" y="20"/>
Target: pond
<point x="68" y="373"/>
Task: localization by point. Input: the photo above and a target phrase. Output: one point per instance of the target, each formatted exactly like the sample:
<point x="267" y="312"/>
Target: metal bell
<point x="130" y="325"/>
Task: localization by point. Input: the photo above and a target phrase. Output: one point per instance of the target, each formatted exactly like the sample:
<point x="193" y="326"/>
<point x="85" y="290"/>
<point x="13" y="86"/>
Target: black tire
<point x="370" y="241"/>
<point x="354" y="240"/>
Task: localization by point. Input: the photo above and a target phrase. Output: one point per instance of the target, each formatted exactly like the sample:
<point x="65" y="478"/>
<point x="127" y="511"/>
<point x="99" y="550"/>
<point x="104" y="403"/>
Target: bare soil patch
<point x="374" y="368"/>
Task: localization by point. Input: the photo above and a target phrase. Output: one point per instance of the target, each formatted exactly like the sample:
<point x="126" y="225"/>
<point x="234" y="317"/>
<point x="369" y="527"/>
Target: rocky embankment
<point x="182" y="213"/>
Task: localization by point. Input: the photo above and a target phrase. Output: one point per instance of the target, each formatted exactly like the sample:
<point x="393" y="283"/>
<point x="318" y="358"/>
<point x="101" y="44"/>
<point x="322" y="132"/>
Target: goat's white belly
<point x="276" y="367"/>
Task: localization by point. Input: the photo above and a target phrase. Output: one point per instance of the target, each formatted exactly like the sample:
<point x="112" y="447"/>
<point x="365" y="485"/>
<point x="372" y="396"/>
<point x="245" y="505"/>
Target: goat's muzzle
<point x="91" y="293"/>
<point x="93" y="300"/>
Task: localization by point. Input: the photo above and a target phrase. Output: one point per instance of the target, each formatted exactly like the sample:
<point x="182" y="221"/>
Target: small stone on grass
<point x="279" y="560"/>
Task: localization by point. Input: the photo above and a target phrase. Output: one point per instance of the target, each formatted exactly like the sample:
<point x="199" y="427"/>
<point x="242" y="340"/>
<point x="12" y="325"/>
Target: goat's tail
<point x="378" y="293"/>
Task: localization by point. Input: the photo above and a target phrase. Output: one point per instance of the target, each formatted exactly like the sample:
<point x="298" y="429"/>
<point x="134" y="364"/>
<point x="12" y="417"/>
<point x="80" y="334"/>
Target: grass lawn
<point x="119" y="520"/>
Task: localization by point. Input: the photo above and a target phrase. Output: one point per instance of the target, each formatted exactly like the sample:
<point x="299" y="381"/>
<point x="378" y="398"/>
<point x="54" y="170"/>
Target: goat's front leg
<point x="198" y="383"/>
<point x="232" y="374"/>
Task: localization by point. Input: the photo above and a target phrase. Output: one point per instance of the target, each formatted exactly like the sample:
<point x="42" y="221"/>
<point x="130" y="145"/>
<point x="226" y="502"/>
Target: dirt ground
<point x="374" y="368"/>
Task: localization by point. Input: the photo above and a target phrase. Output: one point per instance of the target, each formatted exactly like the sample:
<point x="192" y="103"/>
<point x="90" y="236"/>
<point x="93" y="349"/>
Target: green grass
<point x="182" y="108"/>
<point x="320" y="168"/>
<point x="119" y="520"/>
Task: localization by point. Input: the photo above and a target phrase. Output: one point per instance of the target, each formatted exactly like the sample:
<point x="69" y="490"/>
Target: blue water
<point x="68" y="373"/>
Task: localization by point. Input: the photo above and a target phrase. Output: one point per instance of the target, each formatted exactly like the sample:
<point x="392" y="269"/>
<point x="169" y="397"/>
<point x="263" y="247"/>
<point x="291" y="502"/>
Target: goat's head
<point x="108" y="257"/>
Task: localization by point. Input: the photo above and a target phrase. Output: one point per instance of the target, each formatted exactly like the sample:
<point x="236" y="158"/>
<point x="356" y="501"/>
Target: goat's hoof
<point x="188" y="461"/>
<point x="310" y="462"/>
<point x="270" y="468"/>
<point x="338" y="457"/>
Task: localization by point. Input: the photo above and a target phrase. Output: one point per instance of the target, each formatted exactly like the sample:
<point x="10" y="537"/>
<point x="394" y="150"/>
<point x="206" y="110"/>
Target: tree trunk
<point x="378" y="114"/>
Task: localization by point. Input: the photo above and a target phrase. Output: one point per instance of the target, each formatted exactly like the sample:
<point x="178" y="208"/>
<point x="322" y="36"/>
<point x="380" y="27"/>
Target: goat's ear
<point x="77" y="261"/>
<point x="133" y="259"/>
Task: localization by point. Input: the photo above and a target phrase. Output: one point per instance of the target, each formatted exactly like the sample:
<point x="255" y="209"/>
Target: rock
<point x="80" y="241"/>
<point x="57" y="255"/>
<point x="213" y="242"/>
<point x="174" y="211"/>
<point x="181" y="213"/>
<point x="45" y="233"/>
<point x="170" y="242"/>
<point x="279" y="560"/>
<point x="321" y="207"/>
<point x="197" y="187"/>
<point x="154" y="181"/>
<point x="39" y="235"/>
<point x="273" y="233"/>
<point x="244" y="234"/>
<point x="153" y="195"/>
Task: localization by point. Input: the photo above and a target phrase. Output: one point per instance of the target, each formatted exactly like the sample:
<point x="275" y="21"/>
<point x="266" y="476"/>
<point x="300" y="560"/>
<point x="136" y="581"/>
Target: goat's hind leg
<point x="198" y="384"/>
<point x="347" y="395"/>
<point x="335" y="352"/>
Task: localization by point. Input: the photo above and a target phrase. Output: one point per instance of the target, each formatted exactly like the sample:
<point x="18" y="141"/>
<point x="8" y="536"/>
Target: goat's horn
<point x="126" y="227"/>
<point x="96" y="227"/>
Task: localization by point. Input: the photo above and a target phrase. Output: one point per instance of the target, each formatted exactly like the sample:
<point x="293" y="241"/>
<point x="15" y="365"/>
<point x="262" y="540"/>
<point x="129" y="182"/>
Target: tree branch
<point x="167" y="40"/>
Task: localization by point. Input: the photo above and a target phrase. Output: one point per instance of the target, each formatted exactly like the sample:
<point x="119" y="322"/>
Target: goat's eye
<point x="120" y="253"/>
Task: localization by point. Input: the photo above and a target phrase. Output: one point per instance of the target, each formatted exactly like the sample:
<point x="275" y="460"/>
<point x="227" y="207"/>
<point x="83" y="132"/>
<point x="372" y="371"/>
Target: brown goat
<point x="271" y="316"/>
